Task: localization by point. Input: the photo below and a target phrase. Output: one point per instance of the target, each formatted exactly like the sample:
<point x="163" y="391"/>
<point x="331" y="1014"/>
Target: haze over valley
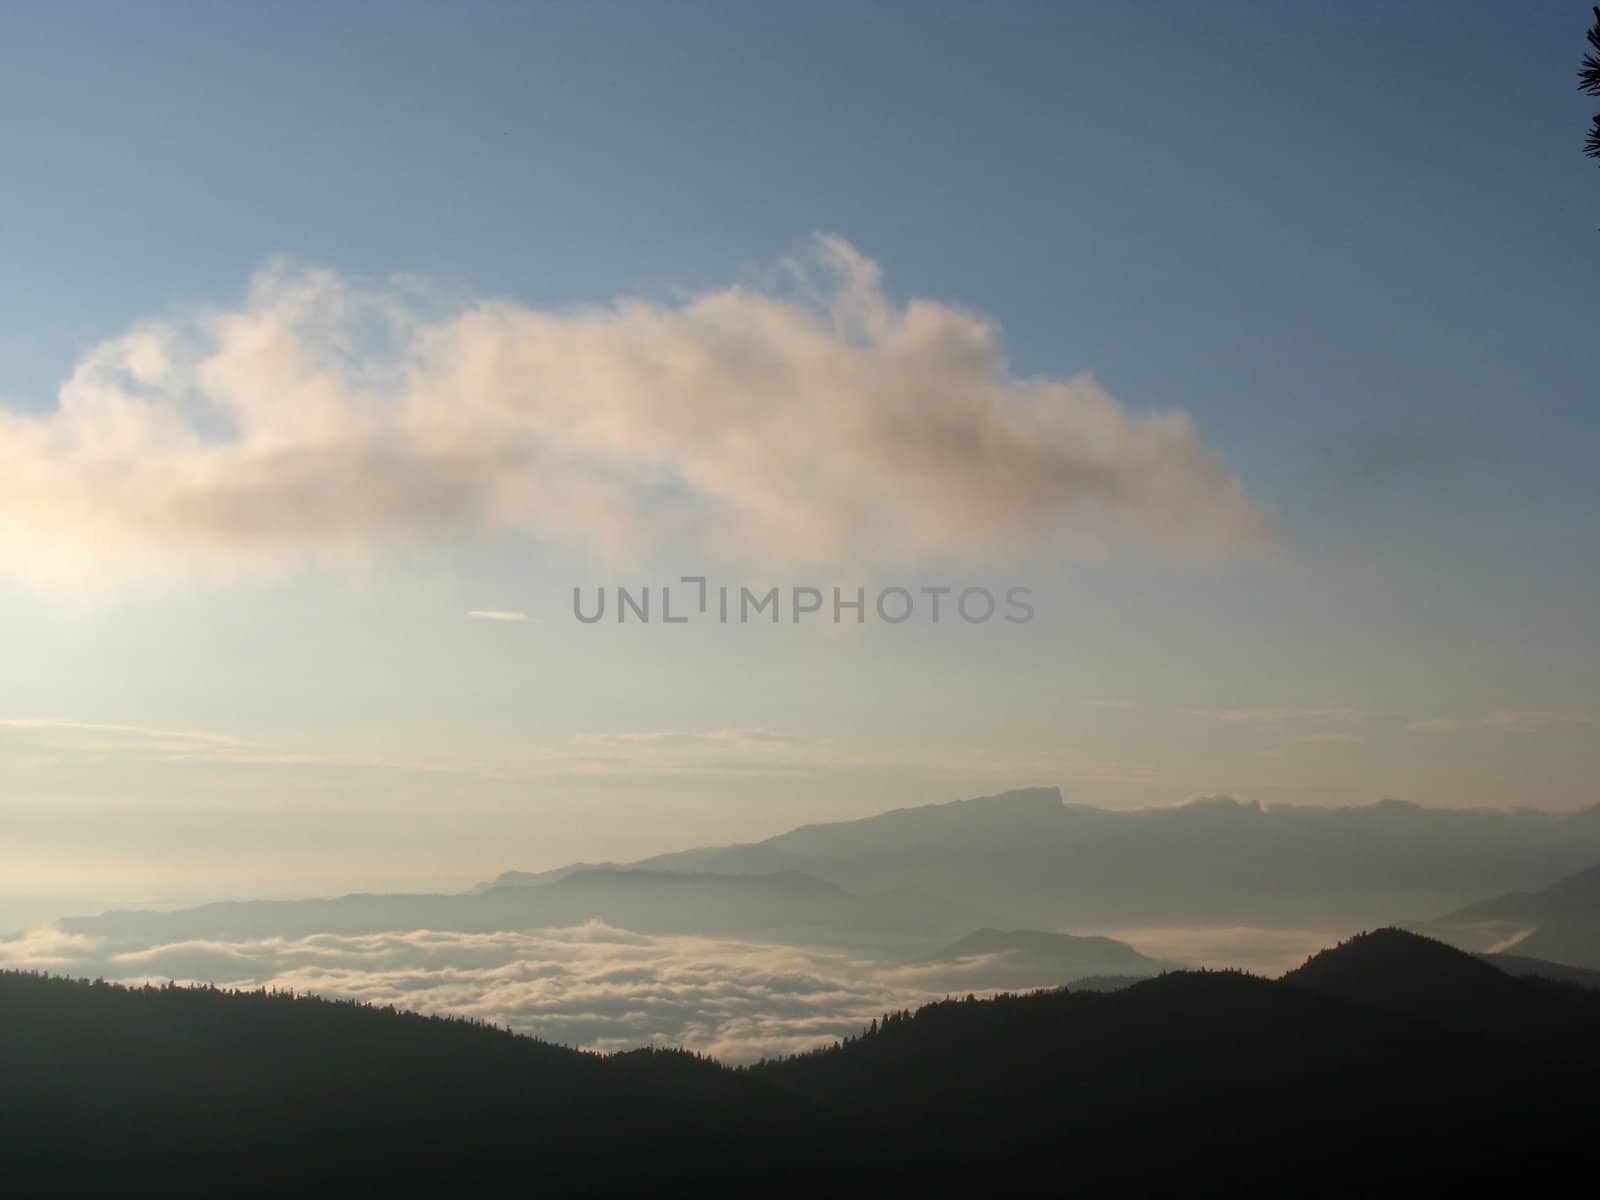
<point x="782" y="945"/>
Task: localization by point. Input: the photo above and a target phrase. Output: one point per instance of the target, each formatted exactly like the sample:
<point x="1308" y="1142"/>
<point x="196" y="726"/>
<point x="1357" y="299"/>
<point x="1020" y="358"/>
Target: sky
<point x="338" y="345"/>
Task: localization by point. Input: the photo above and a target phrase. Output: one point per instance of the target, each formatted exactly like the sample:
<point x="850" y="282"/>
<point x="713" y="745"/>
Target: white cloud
<point x="496" y="614"/>
<point x="47" y="949"/>
<point x="813" y="422"/>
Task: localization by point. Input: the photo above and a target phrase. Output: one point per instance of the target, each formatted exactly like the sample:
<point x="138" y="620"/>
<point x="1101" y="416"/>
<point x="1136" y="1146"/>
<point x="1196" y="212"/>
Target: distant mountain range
<point x="782" y="905"/>
<point x="1027" y="859"/>
<point x="1380" y="1066"/>
<point x="1559" y="923"/>
<point x="913" y="879"/>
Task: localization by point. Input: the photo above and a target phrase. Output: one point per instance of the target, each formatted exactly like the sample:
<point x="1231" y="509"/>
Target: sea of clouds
<point x="605" y="988"/>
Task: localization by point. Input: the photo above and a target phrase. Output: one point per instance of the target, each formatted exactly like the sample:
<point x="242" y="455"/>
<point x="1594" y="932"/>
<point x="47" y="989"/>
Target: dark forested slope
<point x="1388" y="1060"/>
<point x="97" y="1079"/>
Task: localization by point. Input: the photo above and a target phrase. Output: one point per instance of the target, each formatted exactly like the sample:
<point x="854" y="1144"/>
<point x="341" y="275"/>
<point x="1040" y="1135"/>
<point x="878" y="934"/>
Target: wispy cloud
<point x="814" y="420"/>
<point x="674" y="753"/>
<point x="1435" y="725"/>
<point x="496" y="614"/>
<point x="1337" y="713"/>
<point x="1528" y="722"/>
<point x="1375" y="458"/>
<point x="682" y="737"/>
<point x="680" y="752"/>
<point x="1283" y="716"/>
<point x="49" y="742"/>
<point x="188" y="736"/>
<point x="1511" y="722"/>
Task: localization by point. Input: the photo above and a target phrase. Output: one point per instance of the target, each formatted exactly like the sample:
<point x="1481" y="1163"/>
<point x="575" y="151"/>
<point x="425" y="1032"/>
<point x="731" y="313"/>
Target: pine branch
<point x="1589" y="74"/>
<point x="1589" y="83"/>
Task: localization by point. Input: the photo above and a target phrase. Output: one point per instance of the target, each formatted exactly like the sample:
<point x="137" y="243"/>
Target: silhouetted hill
<point x="1417" y="977"/>
<point x="1350" y="1076"/>
<point x="1104" y="983"/>
<point x="1208" y="1076"/>
<point x="241" y="1091"/>
<point x="538" y="878"/>
<point x="1030" y="958"/>
<point x="1559" y="923"/>
<point x="1376" y="966"/>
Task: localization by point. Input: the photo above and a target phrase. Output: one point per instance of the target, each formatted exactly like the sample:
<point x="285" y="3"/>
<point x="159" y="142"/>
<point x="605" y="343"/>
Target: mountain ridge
<point x="1018" y="860"/>
<point x="1164" y="1081"/>
<point x="1559" y="923"/>
<point x="1037" y="861"/>
<point x="1037" y="958"/>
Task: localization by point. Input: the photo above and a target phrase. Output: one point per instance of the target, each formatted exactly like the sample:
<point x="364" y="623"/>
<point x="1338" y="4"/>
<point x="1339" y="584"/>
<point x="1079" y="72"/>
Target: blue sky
<point x="1356" y="244"/>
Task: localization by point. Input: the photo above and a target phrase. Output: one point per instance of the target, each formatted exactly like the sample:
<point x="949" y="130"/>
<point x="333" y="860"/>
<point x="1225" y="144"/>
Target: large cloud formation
<point x="810" y="421"/>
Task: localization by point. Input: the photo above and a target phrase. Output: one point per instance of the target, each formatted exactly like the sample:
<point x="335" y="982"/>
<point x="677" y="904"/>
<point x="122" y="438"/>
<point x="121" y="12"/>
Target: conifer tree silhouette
<point x="1589" y="83"/>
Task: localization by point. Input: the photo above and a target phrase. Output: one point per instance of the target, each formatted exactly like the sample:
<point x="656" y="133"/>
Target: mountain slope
<point x="1304" y="1086"/>
<point x="1409" y="975"/>
<point x="1028" y="859"/>
<point x="1568" y="928"/>
<point x="1222" y="1072"/>
<point x="1538" y="968"/>
<point x="1559" y="923"/>
<point x="102" y="1083"/>
<point x="908" y="879"/>
<point x="780" y="905"/>
<point x="1030" y="958"/>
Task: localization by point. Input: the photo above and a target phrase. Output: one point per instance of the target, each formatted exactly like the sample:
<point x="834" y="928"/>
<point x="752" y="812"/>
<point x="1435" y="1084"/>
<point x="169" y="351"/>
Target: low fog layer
<point x="597" y="986"/>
